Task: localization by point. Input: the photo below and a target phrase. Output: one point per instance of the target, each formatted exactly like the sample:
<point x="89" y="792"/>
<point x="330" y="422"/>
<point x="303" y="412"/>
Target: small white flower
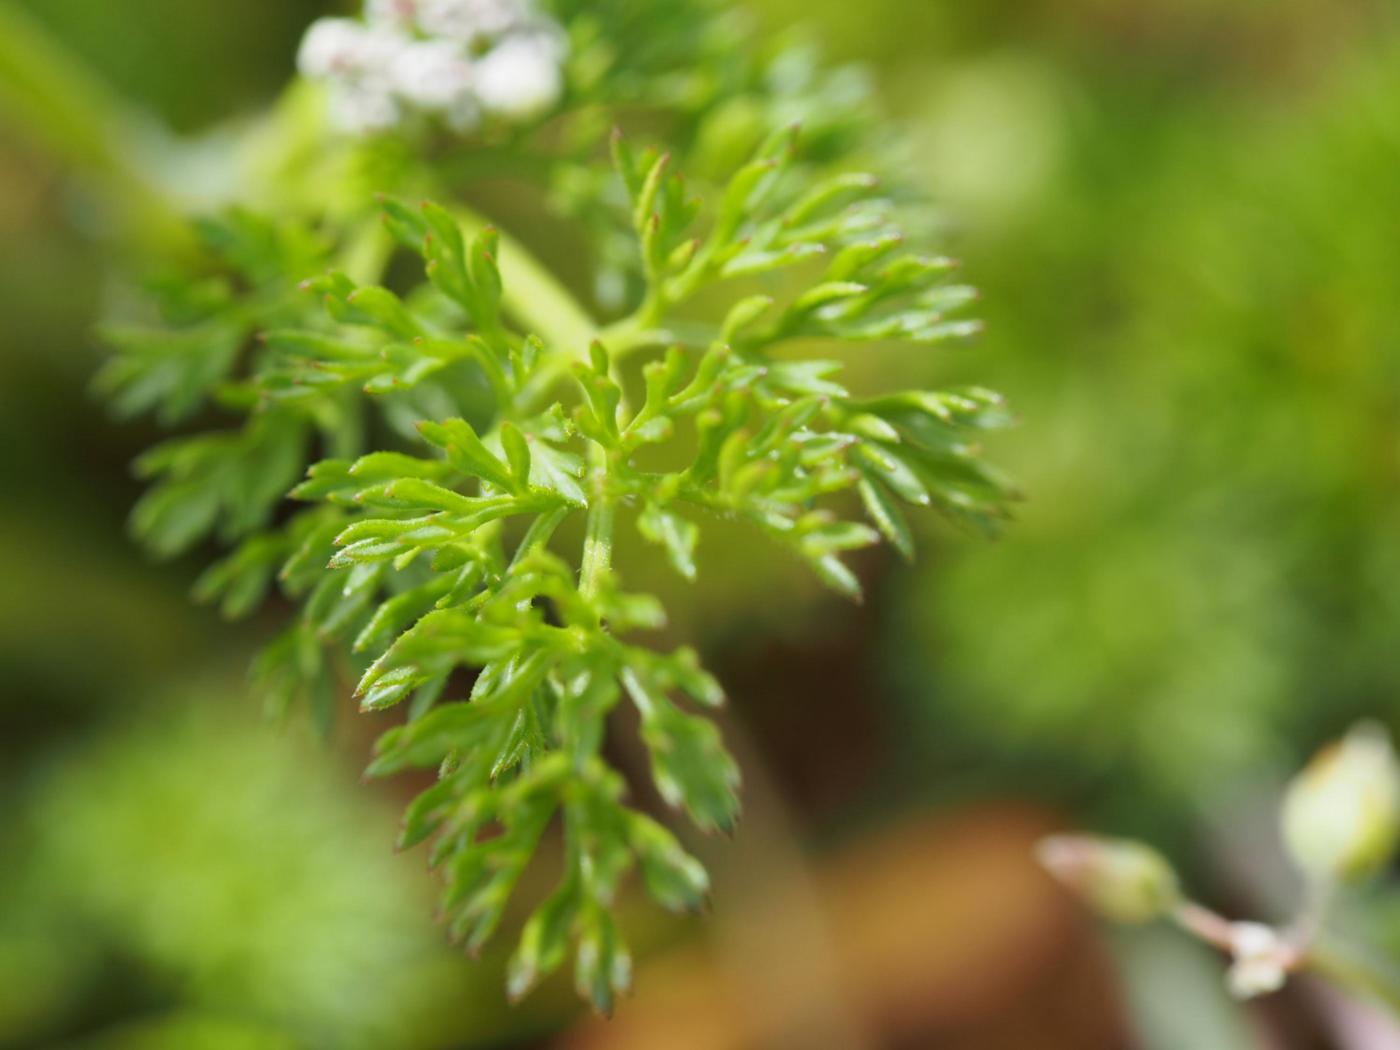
<point x="363" y="108"/>
<point x="433" y="75"/>
<point x="1261" y="960"/>
<point x="520" y="77"/>
<point x="339" y="49"/>
<point x="331" y="46"/>
<point x="418" y="57"/>
<point x="473" y="21"/>
<point x="381" y="46"/>
<point x="355" y="60"/>
<point x="400" y="13"/>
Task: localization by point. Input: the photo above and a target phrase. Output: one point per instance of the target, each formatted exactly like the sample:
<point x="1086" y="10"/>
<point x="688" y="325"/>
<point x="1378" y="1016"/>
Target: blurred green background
<point x="1184" y="216"/>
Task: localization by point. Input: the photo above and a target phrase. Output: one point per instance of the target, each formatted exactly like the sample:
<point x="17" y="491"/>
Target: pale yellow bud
<point x="1341" y="816"/>
<point x="1123" y="880"/>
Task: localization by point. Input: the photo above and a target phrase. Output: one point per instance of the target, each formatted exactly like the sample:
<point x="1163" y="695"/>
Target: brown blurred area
<point x="933" y="932"/>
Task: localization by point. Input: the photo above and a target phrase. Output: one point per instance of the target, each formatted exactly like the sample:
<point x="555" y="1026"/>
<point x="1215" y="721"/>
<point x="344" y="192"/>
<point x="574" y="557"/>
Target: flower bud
<point x="1341" y="816"/>
<point x="1122" y="880"/>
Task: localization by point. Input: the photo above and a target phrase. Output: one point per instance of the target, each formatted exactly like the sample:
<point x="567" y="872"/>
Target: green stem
<point x="366" y="253"/>
<point x="620" y="339"/>
<point x="533" y="295"/>
<point x="50" y="98"/>
<point x="1203" y="924"/>
<point x="597" y="543"/>
<point x="1350" y="970"/>
<point x="539" y="533"/>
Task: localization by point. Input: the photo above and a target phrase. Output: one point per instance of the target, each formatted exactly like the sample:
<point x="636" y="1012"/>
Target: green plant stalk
<point x="1351" y="970"/>
<point x="533" y="295"/>
<point x="65" y="110"/>
<point x="50" y="97"/>
<point x="621" y="338"/>
<point x="597" y="544"/>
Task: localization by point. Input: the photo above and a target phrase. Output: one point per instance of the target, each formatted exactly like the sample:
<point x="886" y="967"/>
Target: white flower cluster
<point x="457" y="60"/>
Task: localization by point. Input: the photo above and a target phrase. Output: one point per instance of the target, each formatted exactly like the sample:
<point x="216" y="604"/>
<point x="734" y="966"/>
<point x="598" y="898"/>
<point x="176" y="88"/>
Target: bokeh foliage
<point x="1206" y="577"/>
